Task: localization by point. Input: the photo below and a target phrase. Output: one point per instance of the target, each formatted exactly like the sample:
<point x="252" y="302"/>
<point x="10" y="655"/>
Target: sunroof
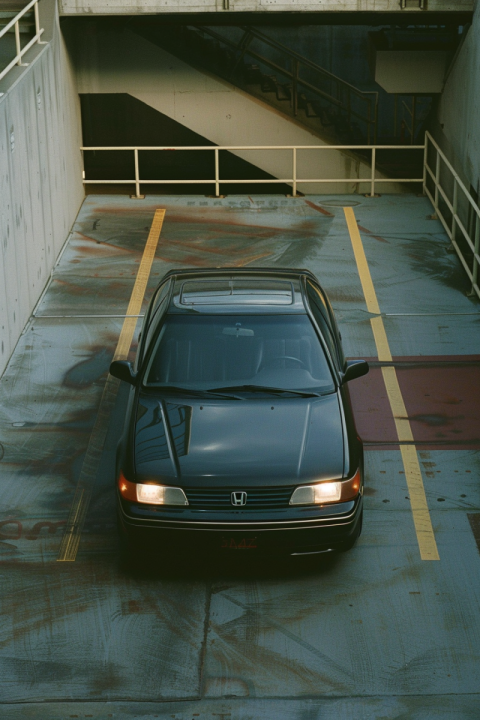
<point x="236" y="292"/>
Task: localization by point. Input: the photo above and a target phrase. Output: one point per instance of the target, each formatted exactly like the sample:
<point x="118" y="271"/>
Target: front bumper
<point x="289" y="531"/>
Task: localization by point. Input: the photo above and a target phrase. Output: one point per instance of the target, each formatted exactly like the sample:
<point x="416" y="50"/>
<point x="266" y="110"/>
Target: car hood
<point x="269" y="441"/>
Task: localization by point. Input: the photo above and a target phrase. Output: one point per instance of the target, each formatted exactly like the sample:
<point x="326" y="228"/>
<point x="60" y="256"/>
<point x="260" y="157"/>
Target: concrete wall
<point x="134" y="7"/>
<point x="458" y="123"/>
<point x="109" y="62"/>
<point x="40" y="176"/>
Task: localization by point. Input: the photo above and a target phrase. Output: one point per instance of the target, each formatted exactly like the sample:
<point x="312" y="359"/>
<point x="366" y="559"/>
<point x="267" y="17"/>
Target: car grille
<point x="220" y="498"/>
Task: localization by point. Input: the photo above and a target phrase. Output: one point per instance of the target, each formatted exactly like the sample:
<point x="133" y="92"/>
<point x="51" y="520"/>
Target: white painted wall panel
<point x="421" y="71"/>
<point x="40" y="176"/>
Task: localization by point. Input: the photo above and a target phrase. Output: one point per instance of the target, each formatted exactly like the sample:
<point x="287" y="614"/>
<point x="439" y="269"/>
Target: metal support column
<point x="454" y="205"/>
<point x="437" y="180"/>
<point x="137" y="195"/>
<point x="37" y="25"/>
<point x="294" y="171"/>
<point x="372" y="180"/>
<point x="475" y="257"/>
<point x="18" y="45"/>
<point x="217" y="173"/>
<point x="295" y="86"/>
<point x="425" y="161"/>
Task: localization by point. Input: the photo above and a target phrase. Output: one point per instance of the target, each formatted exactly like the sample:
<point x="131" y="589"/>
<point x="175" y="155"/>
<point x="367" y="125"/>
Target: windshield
<point x="204" y="352"/>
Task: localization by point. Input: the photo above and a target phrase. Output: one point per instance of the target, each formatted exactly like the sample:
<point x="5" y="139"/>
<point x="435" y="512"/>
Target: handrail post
<point x="217" y="173"/>
<point x="137" y="175"/>
<point x="425" y="162"/>
<point x="37" y="25"/>
<point x="372" y="180"/>
<point x="369" y="120"/>
<point x="294" y="87"/>
<point x="294" y="171"/>
<point x="437" y="180"/>
<point x="475" y="255"/>
<point x="454" y="205"/>
<point x="17" y="44"/>
<point x="395" y="116"/>
<point x="414" y="119"/>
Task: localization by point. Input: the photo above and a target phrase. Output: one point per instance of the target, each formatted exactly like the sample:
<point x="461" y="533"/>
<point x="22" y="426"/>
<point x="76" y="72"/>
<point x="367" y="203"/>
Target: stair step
<point x="327" y="117"/>
<point x="302" y="101"/>
<point x="218" y="57"/>
<point x="284" y="91"/>
<point x="269" y="83"/>
<point x="252" y="74"/>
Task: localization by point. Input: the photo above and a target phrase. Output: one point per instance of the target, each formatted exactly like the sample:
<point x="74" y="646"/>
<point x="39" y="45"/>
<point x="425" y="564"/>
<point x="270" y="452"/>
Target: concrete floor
<point x="373" y="633"/>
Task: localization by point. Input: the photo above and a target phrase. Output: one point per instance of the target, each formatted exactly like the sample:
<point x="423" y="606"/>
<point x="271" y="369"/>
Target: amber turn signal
<point x="351" y="488"/>
<point x="128" y="490"/>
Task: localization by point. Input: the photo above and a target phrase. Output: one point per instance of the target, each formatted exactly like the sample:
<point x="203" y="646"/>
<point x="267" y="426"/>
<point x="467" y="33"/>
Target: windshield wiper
<point x="265" y="389"/>
<point x="196" y="393"/>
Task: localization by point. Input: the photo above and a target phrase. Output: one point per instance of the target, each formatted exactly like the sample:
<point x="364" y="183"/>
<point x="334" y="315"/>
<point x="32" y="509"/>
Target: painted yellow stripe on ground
<point x="138" y="293"/>
<point x="402" y="423"/>
<point x="88" y="474"/>
<point x="362" y="264"/>
<point x="416" y="491"/>
<point x="381" y="341"/>
<point x="418" y="501"/>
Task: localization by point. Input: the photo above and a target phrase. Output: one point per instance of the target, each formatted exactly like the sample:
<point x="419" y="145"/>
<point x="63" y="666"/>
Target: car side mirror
<point x="122" y="370"/>
<point x="354" y="369"/>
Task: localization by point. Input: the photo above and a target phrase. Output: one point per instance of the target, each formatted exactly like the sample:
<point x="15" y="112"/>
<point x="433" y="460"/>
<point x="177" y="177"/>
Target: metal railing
<point x="454" y="205"/>
<point x="455" y="208"/>
<point x="293" y="180"/>
<point x="337" y="92"/>
<point x="14" y="23"/>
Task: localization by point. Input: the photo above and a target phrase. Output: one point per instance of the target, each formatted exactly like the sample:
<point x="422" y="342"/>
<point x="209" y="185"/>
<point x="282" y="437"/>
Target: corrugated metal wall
<point x="40" y="178"/>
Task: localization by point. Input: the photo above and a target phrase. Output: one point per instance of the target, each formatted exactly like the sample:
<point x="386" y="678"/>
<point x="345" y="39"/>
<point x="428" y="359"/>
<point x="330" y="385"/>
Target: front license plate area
<point x="245" y="542"/>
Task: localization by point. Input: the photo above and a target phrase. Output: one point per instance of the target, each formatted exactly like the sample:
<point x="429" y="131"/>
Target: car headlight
<point x="151" y="493"/>
<point x="327" y="492"/>
<point x="161" y="495"/>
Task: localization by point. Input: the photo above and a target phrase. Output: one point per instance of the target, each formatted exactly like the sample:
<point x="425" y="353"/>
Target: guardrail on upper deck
<point x="294" y="180"/>
<point x="14" y="22"/>
<point x="455" y="207"/>
<point x="453" y="203"/>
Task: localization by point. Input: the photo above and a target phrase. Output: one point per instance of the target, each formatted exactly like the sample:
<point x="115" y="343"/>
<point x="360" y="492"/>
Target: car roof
<point x="238" y="290"/>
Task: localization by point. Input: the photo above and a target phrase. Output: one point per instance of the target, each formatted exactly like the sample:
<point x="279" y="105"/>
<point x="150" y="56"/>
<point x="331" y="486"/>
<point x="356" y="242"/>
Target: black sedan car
<point x="239" y="434"/>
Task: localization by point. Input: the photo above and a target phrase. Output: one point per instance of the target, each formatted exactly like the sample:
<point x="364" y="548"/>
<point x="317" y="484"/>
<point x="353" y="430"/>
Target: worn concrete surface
<point x="373" y="633"/>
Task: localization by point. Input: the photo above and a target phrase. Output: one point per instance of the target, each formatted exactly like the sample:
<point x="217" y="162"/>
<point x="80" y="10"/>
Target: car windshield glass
<point x="204" y="352"/>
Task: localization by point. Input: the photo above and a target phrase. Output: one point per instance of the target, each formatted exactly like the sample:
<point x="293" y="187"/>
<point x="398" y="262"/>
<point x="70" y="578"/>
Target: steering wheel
<point x="283" y="357"/>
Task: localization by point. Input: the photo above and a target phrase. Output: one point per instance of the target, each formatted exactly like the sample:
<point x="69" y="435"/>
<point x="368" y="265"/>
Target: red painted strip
<point x="319" y="209"/>
<point x="442" y="402"/>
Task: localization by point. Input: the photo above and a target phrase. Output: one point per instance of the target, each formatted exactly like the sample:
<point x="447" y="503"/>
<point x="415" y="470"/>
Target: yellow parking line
<point x="381" y="340"/>
<point x="362" y="264"/>
<point x="418" y="501"/>
<point x="138" y="292"/>
<point x="81" y="500"/>
<point x="416" y="491"/>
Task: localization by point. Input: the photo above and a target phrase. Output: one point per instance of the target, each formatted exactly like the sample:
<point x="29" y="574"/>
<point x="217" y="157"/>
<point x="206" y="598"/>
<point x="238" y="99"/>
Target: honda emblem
<point x="239" y="498"/>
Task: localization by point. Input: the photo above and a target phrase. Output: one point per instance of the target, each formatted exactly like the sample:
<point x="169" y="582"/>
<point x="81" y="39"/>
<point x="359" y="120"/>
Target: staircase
<point x="216" y="110"/>
<point x="331" y="107"/>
